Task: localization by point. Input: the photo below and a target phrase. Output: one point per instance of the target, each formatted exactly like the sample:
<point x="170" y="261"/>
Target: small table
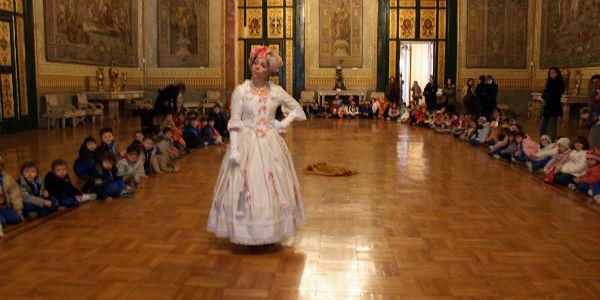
<point x="566" y="100"/>
<point x="114" y="98"/>
<point x="322" y="94"/>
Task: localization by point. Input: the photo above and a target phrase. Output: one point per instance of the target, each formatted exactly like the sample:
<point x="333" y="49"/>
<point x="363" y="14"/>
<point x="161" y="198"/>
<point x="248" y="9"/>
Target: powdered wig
<point x="273" y="59"/>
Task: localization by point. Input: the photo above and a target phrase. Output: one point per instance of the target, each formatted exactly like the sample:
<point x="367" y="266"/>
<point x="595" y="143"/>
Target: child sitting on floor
<point x="314" y="110"/>
<point x="326" y="111"/>
<point x="167" y="154"/>
<point x="526" y="148"/>
<point x="539" y="160"/>
<point x="177" y="134"/>
<point x="108" y="144"/>
<point x="151" y="164"/>
<point x="191" y="135"/>
<point x="589" y="182"/>
<point x="558" y="159"/>
<point x="483" y="130"/>
<point x="105" y="182"/>
<point x="11" y="203"/>
<point x="575" y="165"/>
<point x="353" y="111"/>
<point x="36" y="199"/>
<point x="59" y="185"/>
<point x="138" y="136"/>
<point x="394" y="113"/>
<point x="84" y="164"/>
<point x="342" y="111"/>
<point x="131" y="168"/>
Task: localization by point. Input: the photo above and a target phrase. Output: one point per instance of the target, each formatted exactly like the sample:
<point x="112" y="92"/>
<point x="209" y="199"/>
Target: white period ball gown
<point x="257" y="197"/>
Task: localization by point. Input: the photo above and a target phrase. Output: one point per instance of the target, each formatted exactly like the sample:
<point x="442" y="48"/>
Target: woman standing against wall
<point x="555" y="87"/>
<point x="449" y="95"/>
<point x="430" y="93"/>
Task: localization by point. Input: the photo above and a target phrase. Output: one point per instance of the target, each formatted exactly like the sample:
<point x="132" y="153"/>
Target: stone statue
<point x="342" y="31"/>
<point x="578" y="82"/>
<point x="339" y="78"/>
<point x="113" y="75"/>
<point x="100" y="80"/>
<point x="124" y="81"/>
<point x="566" y="76"/>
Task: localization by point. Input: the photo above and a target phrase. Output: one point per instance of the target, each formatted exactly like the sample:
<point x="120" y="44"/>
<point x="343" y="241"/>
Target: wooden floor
<point x="426" y="218"/>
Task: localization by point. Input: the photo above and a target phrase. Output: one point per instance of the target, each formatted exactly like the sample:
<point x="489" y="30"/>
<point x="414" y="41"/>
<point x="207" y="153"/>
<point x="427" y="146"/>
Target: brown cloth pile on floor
<point x="326" y="169"/>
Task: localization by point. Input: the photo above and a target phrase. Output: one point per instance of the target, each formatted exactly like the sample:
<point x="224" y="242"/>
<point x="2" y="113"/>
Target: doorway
<point x="415" y="64"/>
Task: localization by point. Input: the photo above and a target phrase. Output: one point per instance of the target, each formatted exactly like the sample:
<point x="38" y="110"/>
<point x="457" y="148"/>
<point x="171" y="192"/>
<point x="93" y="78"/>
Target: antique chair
<point x="307" y="97"/>
<point x="54" y="111"/>
<point x="584" y="115"/>
<point x="92" y="110"/>
<point x="212" y="98"/>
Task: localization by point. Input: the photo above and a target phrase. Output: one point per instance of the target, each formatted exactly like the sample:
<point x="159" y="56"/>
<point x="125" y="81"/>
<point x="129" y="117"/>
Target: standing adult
<point x="257" y="195"/>
<point x="449" y="96"/>
<point x="168" y="98"/>
<point x="430" y="94"/>
<point x="481" y="92"/>
<point x="493" y="95"/>
<point x="555" y="87"/>
<point x="392" y="92"/>
<point x="594" y="104"/>
<point x="468" y="96"/>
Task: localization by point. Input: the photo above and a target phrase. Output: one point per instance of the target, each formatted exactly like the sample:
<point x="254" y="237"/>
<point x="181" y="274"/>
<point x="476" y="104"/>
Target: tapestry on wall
<point x="92" y="32"/>
<point x="183" y="36"/>
<point x="496" y="34"/>
<point x="570" y="33"/>
<point x="340" y="25"/>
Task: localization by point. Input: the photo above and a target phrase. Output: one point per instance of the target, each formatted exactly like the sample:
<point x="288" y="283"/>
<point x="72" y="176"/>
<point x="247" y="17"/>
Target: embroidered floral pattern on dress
<point x="262" y="118"/>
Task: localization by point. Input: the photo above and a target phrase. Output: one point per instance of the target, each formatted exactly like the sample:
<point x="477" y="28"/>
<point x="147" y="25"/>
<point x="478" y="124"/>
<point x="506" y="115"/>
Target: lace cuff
<point x="235" y="124"/>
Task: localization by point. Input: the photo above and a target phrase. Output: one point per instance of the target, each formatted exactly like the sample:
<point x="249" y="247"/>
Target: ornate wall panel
<point x="254" y="23"/>
<point x="5" y="44"/>
<point x="7" y="5"/>
<point x="497" y="34"/>
<point x="275" y="23"/>
<point x="92" y="32"/>
<point x="8" y="101"/>
<point x="183" y="33"/>
<point x="392" y="57"/>
<point x="23" y="97"/>
<point x="570" y="33"/>
<point x="340" y="38"/>
<point x="408" y="20"/>
<point x="441" y="63"/>
<point x="428" y="23"/>
<point x="393" y="24"/>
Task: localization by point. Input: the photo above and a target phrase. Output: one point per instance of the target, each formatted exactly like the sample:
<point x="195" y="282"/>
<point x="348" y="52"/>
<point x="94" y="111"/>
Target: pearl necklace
<point x="259" y="91"/>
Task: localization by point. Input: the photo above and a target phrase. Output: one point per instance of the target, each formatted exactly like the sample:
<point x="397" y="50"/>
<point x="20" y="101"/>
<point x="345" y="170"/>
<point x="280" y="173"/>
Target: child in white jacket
<point x="575" y="165"/>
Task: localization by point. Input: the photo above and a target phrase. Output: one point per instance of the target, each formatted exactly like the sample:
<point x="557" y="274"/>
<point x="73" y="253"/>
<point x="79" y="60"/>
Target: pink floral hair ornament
<point x="273" y="59"/>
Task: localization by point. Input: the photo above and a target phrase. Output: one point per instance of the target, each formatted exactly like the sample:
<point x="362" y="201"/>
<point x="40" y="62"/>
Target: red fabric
<point x="591" y="176"/>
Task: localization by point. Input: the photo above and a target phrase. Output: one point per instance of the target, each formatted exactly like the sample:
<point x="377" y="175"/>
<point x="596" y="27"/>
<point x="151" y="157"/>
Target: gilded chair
<point x="54" y="111"/>
<point x="92" y="110"/>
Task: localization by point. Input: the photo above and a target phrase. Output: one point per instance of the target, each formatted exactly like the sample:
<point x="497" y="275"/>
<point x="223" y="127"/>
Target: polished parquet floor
<point x="426" y="218"/>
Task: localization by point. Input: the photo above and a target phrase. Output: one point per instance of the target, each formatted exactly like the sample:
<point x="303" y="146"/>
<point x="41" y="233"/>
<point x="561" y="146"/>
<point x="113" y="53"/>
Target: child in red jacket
<point x="589" y="182"/>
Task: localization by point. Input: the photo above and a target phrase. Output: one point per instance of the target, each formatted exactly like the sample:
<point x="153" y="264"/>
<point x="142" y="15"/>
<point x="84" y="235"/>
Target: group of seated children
<point x="563" y="162"/>
<point x="31" y="197"/>
<point x="378" y="108"/>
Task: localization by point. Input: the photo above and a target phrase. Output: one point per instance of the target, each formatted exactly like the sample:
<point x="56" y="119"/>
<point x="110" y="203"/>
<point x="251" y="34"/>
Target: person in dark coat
<point x="166" y="101"/>
<point x="468" y="97"/>
<point x="555" y="87"/>
<point x="430" y="93"/>
<point x="392" y="92"/>
<point x="449" y="95"/>
<point x="493" y="95"/>
<point x="483" y="98"/>
<point x="85" y="162"/>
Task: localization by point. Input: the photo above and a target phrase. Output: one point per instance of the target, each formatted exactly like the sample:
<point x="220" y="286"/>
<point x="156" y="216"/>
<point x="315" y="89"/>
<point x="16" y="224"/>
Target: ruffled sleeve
<point x="235" y="122"/>
<point x="293" y="105"/>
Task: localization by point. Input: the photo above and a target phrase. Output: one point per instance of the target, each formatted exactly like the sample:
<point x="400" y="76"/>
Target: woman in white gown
<point x="257" y="198"/>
